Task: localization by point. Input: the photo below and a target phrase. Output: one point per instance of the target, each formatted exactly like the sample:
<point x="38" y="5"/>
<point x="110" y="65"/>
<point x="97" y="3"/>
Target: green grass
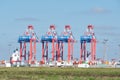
<point x="53" y="73"/>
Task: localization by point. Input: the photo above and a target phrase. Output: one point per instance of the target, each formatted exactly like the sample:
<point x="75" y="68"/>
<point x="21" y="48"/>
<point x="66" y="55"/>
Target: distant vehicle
<point x="83" y="65"/>
<point x="117" y="64"/>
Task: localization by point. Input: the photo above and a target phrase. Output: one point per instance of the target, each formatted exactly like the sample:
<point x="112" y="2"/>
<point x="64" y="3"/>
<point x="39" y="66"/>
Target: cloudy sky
<point x="104" y="15"/>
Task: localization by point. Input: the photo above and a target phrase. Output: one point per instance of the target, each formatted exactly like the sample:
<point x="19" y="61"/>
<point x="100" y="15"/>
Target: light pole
<point x="9" y="45"/>
<point x="105" y="48"/>
<point x="119" y="52"/>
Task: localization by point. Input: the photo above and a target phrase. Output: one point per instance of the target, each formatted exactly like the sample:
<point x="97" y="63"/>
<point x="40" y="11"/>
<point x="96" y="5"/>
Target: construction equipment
<point x="49" y="37"/>
<point x="30" y="37"/>
<point x="65" y="37"/>
<point x="88" y="37"/>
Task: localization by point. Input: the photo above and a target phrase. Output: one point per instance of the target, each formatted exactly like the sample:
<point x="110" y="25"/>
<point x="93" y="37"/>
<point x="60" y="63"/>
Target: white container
<point x="83" y="65"/>
<point x="7" y="64"/>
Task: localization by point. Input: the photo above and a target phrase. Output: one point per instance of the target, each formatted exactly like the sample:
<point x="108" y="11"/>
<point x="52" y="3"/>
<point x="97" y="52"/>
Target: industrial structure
<point x="49" y="37"/>
<point x="88" y="37"/>
<point x="15" y="57"/>
<point x="65" y="37"/>
<point x="57" y="44"/>
<point x="54" y="45"/>
<point x="31" y="38"/>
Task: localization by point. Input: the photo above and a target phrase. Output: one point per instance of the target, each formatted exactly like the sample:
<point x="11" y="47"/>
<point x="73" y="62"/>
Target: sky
<point x="104" y="15"/>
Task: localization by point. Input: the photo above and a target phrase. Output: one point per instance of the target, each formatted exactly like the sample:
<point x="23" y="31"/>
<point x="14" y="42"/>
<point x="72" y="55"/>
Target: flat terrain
<point x="54" y="73"/>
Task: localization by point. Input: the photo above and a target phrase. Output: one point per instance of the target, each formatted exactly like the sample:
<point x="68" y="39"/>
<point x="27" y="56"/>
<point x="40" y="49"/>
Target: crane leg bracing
<point x="59" y="51"/>
<point x="32" y="53"/>
<point x="93" y="49"/>
<point x="83" y="51"/>
<point x="22" y="53"/>
<point x="53" y="49"/>
<point x="44" y="51"/>
<point x="70" y="50"/>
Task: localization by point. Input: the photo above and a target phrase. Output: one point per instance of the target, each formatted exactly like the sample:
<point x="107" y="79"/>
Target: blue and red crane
<point x="49" y="37"/>
<point x="31" y="38"/>
<point x="88" y="37"/>
<point x="65" y="37"/>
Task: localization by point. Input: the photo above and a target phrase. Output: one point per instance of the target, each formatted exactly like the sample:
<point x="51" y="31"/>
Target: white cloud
<point x="99" y="10"/>
<point x="91" y="11"/>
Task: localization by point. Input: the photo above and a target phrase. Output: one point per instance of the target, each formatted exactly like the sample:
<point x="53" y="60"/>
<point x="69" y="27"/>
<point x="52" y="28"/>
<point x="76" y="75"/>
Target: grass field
<point x="53" y="73"/>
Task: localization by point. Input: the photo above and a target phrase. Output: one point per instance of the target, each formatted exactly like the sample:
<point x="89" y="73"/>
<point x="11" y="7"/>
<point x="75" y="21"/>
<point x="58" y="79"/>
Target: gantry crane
<point x="88" y="37"/>
<point x="31" y="38"/>
<point x="65" y="37"/>
<point x="49" y="37"/>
